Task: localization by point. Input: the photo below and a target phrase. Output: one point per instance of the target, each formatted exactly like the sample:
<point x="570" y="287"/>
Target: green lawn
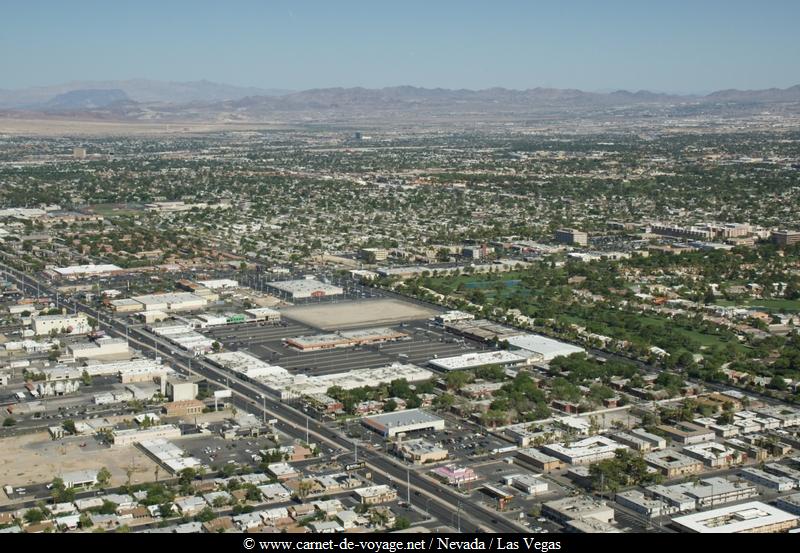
<point x="792" y="306"/>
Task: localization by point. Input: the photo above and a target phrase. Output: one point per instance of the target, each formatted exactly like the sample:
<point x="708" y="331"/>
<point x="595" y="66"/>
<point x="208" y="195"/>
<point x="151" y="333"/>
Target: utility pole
<point x="308" y="441"/>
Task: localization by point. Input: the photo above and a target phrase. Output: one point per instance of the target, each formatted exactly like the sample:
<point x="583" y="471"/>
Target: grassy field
<point x="790" y="306"/>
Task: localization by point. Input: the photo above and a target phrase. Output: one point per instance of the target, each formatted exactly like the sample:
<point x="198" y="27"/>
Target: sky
<point x="671" y="46"/>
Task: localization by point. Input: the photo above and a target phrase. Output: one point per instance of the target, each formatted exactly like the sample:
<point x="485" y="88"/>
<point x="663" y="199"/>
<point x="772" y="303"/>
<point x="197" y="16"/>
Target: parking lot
<point x="425" y="342"/>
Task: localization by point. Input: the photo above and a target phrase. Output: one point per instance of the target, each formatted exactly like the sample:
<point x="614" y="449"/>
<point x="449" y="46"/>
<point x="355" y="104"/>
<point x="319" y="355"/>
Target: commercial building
<point x="373" y="255"/>
<point x="169" y="302"/>
<point x="82" y="271"/>
<point x="420" y="451"/>
<point x="374" y="495"/>
<point x="263" y="314"/>
<point x="391" y="424"/>
<point x="636" y="501"/>
<point x="219" y="284"/>
<point x="99" y="349"/>
<point x="577" y="508"/>
<point x="546" y="348"/>
<point x="482" y="330"/>
<point x="672" y="464"/>
<point x="184" y="408"/>
<point x="168" y="455"/>
<point x="505" y="359"/>
<point x="78" y="323"/>
<point x="572" y="237"/>
<point x="79" y="478"/>
<point x="528" y="483"/>
<point x="455" y="475"/>
<point x="181" y="390"/>
<point x="785" y="238"/>
<point x="538" y="460"/>
<point x="305" y="288"/>
<point x="586" y="451"/>
<point x="136" y="435"/>
<point x="451" y="317"/>
<point x="345" y="339"/>
<point x="752" y="517"/>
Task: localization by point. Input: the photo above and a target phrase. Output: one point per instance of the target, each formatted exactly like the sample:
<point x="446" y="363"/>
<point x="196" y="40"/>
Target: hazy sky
<point x="675" y="45"/>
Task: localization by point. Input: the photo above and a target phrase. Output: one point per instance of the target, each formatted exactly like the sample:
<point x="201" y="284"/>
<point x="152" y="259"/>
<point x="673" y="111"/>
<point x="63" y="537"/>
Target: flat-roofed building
<point x="455" y="475"/>
<point x="421" y="451"/>
<point x="586" y="451"/>
<point x="578" y="507"/>
<point x="538" y="459"/>
<point x="752" y="517"/>
<point x="505" y="359"/>
<point x="44" y="325"/>
<point x="687" y="433"/>
<point x="789" y="503"/>
<point x="785" y="238"/>
<point x="572" y="237"/>
<point x="266" y="314"/>
<point x="305" y="288"/>
<point x="713" y="454"/>
<point x="650" y="507"/>
<point x="639" y="443"/>
<point x="767" y="480"/>
<point x="545" y="348"/>
<point x="706" y="492"/>
<point x="343" y="339"/>
<point x="374" y="495"/>
<point x="391" y="424"/>
<point x="672" y="464"/>
<point x="136" y="435"/>
<point x="528" y="483"/>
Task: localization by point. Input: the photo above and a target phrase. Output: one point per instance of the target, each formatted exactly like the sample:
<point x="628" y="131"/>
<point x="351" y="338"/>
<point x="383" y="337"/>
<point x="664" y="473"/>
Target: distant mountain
<point x="87" y="99"/>
<point x="138" y="90"/>
<point x="204" y="101"/>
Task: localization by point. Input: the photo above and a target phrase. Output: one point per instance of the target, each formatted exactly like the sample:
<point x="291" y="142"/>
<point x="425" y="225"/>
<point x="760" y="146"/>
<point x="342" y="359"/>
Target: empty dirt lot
<point x="357" y="314"/>
<point x="36" y="459"/>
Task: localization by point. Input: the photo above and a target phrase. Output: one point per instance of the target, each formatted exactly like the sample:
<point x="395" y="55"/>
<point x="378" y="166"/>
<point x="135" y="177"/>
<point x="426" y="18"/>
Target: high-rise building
<point x="572" y="237"/>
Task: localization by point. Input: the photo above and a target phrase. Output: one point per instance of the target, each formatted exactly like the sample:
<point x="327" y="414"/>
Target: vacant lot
<point x="36" y="459"/>
<point x="357" y="314"/>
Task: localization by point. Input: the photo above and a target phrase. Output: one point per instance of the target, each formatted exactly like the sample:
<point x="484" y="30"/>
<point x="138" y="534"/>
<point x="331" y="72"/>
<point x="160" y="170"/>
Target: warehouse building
<point x="505" y="359"/>
<point x="389" y="425"/>
<point x="546" y="348"/>
<point x="752" y="517"/>
<point x="305" y="288"/>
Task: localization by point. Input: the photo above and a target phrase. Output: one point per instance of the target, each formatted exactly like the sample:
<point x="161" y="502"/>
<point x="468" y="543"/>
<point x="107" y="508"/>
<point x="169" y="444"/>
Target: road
<point x="442" y="502"/>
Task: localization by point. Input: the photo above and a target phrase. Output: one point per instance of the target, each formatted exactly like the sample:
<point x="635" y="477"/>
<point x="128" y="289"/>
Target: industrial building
<point x="505" y="359"/>
<point x="752" y="517"/>
<point x="411" y="420"/>
<point x="305" y="288"/>
<point x="345" y="339"/>
<point x="546" y="348"/>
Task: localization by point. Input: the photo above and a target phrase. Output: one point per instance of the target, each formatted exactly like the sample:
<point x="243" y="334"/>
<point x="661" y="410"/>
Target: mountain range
<point x="207" y="101"/>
